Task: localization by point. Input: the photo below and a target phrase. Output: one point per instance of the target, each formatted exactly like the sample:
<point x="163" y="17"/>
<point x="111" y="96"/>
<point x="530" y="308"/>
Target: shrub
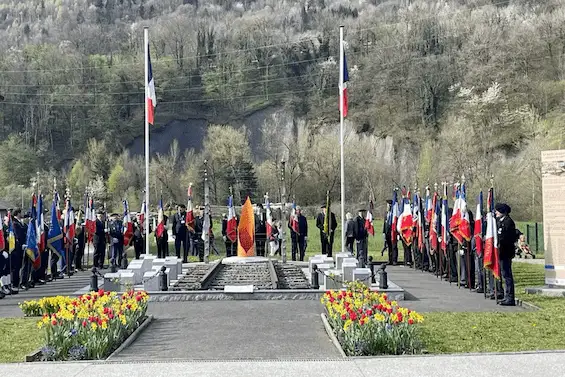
<point x="366" y="323"/>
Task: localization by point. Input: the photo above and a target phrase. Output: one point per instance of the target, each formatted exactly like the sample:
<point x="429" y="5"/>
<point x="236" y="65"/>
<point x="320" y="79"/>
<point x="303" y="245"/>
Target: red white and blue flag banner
<point x="406" y="221"/>
<point x="69" y="224"/>
<point x="31" y="238"/>
<point x="343" y="86"/>
<point x="150" y="91"/>
<point x="141" y="216"/>
<point x="369" y="220"/>
<point x="444" y="223"/>
<point x="491" y="238"/>
<point x="128" y="225"/>
<point x="189" y="218"/>
<point x="294" y="219"/>
<point x="429" y="205"/>
<point x="231" y="226"/>
<point x="435" y="222"/>
<point x="478" y="233"/>
<point x="465" y="222"/>
<point x="160" y="220"/>
<point x="269" y="216"/>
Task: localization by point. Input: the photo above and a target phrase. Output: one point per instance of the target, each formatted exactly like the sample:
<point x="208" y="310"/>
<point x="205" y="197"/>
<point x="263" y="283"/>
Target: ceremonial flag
<point x="11" y="234"/>
<point x="491" y="238"/>
<point x="55" y="235"/>
<point x="465" y="222"/>
<point x="90" y="223"/>
<point x="444" y="223"/>
<point x="478" y="233"/>
<point x="269" y="218"/>
<point x="231" y="226"/>
<point x="294" y="219"/>
<point x="406" y="222"/>
<point x="394" y="218"/>
<point x="434" y="222"/>
<point x="369" y="220"/>
<point x="246" y="231"/>
<point x="57" y="200"/>
<point x="31" y="240"/>
<point x="160" y="220"/>
<point x="419" y="221"/>
<point x="343" y="86"/>
<point x="206" y="225"/>
<point x="150" y="91"/>
<point x="189" y="218"/>
<point x="2" y="240"/>
<point x="429" y="205"/>
<point x="128" y="225"/>
<point x="40" y="225"/>
<point x="141" y="216"/>
<point x="328" y="215"/>
<point x="69" y="224"/>
<point x="455" y="219"/>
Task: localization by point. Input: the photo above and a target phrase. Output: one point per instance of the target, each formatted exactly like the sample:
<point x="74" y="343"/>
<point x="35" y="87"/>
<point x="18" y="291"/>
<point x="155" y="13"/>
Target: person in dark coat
<point x="4" y="264"/>
<point x="137" y="240"/>
<point x="79" y="246"/>
<point x="231" y="247"/>
<point x="467" y="259"/>
<point x="116" y="228"/>
<point x="326" y="241"/>
<point x="387" y="235"/>
<point x="506" y="250"/>
<point x="300" y="238"/>
<point x="260" y="231"/>
<point x="197" y="240"/>
<point x="99" y="241"/>
<point x="39" y="276"/>
<point x="180" y="233"/>
<point x="361" y="235"/>
<point x="16" y="257"/>
<point x="163" y="241"/>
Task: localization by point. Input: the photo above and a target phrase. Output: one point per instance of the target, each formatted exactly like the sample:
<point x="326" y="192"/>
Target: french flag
<point x="160" y="220"/>
<point x="491" y="239"/>
<point x="40" y="225"/>
<point x="406" y="222"/>
<point x="465" y="221"/>
<point x="269" y="219"/>
<point x="429" y="206"/>
<point x="394" y="218"/>
<point x="69" y="224"/>
<point x="150" y="91"/>
<point x="478" y="234"/>
<point x="128" y="225"/>
<point x="141" y="216"/>
<point x="343" y="86"/>
<point x="294" y="219"/>
<point x="189" y="219"/>
<point x="231" y="227"/>
<point x="434" y="229"/>
<point x="369" y="220"/>
<point x="444" y="225"/>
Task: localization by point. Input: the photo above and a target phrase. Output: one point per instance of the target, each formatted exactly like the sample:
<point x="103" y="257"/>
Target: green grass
<point x="18" y="337"/>
<point x="497" y="332"/>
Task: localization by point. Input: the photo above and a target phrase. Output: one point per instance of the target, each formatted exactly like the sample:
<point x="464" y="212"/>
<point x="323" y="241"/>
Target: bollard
<point x="113" y="267"/>
<point x="94" y="280"/>
<point x="124" y="262"/>
<point x="383" y="277"/>
<point x="372" y="267"/>
<point x="315" y="280"/>
<point x="163" y="286"/>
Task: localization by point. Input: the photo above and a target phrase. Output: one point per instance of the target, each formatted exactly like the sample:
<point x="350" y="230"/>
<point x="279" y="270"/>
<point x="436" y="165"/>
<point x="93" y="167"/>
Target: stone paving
<point x="223" y="330"/>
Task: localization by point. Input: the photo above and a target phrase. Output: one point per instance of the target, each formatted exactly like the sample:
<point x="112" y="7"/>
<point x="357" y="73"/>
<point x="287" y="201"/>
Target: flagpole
<point x="341" y="66"/>
<point x="146" y="81"/>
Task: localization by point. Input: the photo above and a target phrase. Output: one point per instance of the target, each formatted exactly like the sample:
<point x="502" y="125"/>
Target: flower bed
<point x="46" y="305"/>
<point x="91" y="326"/>
<point x="367" y="324"/>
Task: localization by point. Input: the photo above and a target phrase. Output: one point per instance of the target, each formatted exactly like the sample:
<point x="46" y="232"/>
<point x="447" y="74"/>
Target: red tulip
<point x="385" y="296"/>
<point x="369" y="312"/>
<point x="410" y="321"/>
<point x="331" y="299"/>
<point x="84" y="323"/>
<point x="53" y="322"/>
<point x="343" y="317"/>
<point x="352" y="316"/>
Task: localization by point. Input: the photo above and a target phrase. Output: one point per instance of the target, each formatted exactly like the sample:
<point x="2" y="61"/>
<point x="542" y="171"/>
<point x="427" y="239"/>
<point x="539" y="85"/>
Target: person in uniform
<point x="506" y="249"/>
<point x="163" y="241"/>
<point x="387" y="235"/>
<point x="466" y="259"/>
<point x="260" y="230"/>
<point x="99" y="241"/>
<point x="326" y="241"/>
<point x="137" y="239"/>
<point x="361" y="235"/>
<point x="79" y="245"/>
<point x="180" y="233"/>
<point x="231" y="247"/>
<point x="300" y="238"/>
<point x="16" y="257"/>
<point x="116" y="229"/>
<point x="197" y="240"/>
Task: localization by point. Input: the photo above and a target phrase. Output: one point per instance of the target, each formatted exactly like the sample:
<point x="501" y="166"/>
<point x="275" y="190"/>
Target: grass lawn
<point x="495" y="332"/>
<point x="19" y="337"/>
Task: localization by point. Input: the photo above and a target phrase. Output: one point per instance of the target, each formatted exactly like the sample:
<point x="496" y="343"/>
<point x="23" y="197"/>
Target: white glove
<point x="305" y="238"/>
<point x="5" y="254"/>
<point x="115" y="240"/>
<point x="225" y="238"/>
<point x="461" y="252"/>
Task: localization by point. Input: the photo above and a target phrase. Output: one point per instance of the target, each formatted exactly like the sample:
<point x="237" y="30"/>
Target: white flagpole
<point x="341" y="138"/>
<point x="146" y="46"/>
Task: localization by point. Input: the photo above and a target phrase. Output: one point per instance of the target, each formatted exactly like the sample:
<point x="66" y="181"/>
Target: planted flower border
<point x="366" y="323"/>
<point x="89" y="327"/>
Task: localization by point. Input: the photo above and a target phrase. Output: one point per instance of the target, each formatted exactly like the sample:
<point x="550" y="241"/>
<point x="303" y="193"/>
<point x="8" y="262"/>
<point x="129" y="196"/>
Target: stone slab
<point x="112" y="281"/>
<point x="362" y="274"/>
<point x="333" y="281"/>
<point x="339" y="257"/>
<point x="546" y="291"/>
<point x="315" y="260"/>
<point x="150" y="281"/>
<point x="173" y="267"/>
<point x="158" y="262"/>
<point x="138" y="272"/>
<point x="238" y="289"/>
<point x="244" y="260"/>
<point x="347" y="270"/>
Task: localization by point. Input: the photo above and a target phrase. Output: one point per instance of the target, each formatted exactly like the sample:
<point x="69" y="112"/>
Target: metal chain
<point x="316" y="269"/>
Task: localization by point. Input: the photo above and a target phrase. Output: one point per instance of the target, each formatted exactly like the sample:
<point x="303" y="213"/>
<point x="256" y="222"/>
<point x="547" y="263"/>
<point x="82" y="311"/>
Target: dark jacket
<point x="302" y="227"/>
<point x="20" y="232"/>
<point x="179" y="225"/>
<point x="506" y="237"/>
<point x="100" y="233"/>
<point x="359" y="231"/>
<point x="320" y="223"/>
<point x="261" y="227"/>
<point x="116" y="228"/>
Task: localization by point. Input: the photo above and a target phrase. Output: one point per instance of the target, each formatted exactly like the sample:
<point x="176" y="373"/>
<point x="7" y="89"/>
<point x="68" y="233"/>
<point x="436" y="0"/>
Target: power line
<point x="230" y="52"/>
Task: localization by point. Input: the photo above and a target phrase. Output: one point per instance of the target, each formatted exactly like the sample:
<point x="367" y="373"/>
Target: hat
<point x="503" y="208"/>
<point x="114" y="214"/>
<point x="389" y="201"/>
<point x="362" y="210"/>
<point x="182" y="206"/>
<point x="323" y="206"/>
<point x="100" y="212"/>
<point x="298" y="208"/>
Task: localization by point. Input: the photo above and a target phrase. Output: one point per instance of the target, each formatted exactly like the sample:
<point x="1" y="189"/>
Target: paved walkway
<point x="223" y="330"/>
<point x="424" y="292"/>
<point x="549" y="364"/>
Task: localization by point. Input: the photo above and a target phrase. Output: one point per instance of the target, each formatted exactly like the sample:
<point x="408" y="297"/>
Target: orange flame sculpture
<point x="246" y="231"/>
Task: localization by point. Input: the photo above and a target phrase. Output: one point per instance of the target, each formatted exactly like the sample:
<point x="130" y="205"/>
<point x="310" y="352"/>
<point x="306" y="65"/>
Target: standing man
<point x="506" y="239"/>
<point x="180" y="233"/>
<point x="231" y="247"/>
<point x="387" y="235"/>
<point x="20" y="232"/>
<point x="260" y="230"/>
<point x="163" y="241"/>
<point x="327" y="241"/>
<point x="80" y="245"/>
<point x="299" y="238"/>
<point x="99" y="241"/>
<point x="116" y="240"/>
<point x="361" y="235"/>
<point x="197" y="240"/>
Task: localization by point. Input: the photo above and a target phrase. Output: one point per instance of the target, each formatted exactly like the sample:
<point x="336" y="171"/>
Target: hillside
<point x="479" y="81"/>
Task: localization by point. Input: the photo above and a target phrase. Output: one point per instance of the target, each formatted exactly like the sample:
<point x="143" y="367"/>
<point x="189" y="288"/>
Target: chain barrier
<point x="341" y="281"/>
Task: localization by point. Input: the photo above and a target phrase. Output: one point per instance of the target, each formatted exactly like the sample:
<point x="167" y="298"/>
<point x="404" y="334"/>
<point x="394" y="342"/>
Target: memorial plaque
<point x="553" y="191"/>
